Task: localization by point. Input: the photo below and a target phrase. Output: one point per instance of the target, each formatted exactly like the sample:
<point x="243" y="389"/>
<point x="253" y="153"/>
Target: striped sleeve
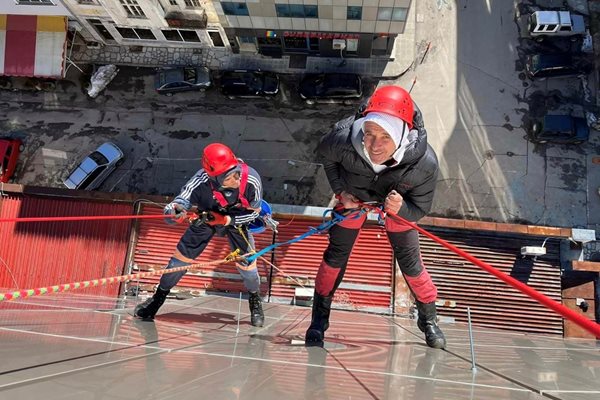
<point x="185" y="197"/>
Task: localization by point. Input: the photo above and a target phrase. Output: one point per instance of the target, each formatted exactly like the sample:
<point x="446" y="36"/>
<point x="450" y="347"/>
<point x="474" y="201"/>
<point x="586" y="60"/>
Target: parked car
<point x="559" y="129"/>
<point x="245" y="83"/>
<point x="542" y="24"/>
<point x="95" y="168"/>
<point x="554" y="65"/>
<point x="183" y="79"/>
<point x="330" y="87"/>
<point x="9" y="154"/>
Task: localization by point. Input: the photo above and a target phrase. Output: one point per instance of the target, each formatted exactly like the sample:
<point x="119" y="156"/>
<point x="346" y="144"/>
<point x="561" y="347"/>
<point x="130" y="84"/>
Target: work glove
<point x="347" y="200"/>
<point x="393" y="202"/>
<point x="175" y="212"/>
<point x="215" y="218"/>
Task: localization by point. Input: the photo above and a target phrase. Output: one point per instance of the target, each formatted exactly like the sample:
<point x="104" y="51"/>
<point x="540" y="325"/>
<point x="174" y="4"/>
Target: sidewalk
<point x="403" y="55"/>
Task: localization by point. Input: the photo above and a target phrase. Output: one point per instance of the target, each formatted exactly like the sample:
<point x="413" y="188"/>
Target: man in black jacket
<point x="383" y="157"/>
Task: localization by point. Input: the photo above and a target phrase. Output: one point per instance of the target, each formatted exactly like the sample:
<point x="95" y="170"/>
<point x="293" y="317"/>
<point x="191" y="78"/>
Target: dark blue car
<point x="560" y="129"/>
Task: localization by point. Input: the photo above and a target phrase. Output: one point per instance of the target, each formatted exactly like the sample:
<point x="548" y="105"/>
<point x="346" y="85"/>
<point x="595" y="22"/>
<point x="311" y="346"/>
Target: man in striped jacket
<point x="230" y="192"/>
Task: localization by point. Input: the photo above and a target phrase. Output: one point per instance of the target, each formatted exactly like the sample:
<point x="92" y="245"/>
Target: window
<point x="215" y="36"/>
<point x="192" y="3"/>
<point x="235" y="8"/>
<point x="351" y="45"/>
<point x="145" y="34"/>
<point x="172" y="35"/>
<point x="311" y="11"/>
<point x="399" y="14"/>
<point x="173" y="2"/>
<point x="283" y="10"/>
<point x="384" y="13"/>
<point x="95" y="174"/>
<point x="87" y="1"/>
<point x="127" y="33"/>
<point x="99" y="158"/>
<point x="133" y="9"/>
<point x="246" y="39"/>
<point x="296" y="11"/>
<point x="389" y="13"/>
<point x="189" y="36"/>
<point x="101" y="29"/>
<point x="136" y="33"/>
<point x="35" y="2"/>
<point x="354" y="13"/>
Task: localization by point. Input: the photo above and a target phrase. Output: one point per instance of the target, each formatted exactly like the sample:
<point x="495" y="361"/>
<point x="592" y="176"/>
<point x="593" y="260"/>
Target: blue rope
<point x="336" y="218"/>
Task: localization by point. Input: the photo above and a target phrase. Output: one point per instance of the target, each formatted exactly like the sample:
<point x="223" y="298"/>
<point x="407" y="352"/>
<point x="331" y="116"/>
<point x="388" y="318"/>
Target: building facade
<point x="158" y="23"/>
<point x="327" y="28"/>
<point x="272" y="28"/>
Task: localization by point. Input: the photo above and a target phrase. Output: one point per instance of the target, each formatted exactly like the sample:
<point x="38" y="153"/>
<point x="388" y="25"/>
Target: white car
<point x="95" y="168"/>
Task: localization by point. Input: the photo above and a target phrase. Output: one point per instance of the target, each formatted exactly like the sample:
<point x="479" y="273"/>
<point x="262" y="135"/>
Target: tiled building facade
<point x="355" y="28"/>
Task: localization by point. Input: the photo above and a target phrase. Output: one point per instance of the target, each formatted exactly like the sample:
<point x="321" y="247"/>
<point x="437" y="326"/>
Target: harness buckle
<point x="198" y="219"/>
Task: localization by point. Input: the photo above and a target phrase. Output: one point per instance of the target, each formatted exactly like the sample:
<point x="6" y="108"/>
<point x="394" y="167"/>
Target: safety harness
<point x="242" y="189"/>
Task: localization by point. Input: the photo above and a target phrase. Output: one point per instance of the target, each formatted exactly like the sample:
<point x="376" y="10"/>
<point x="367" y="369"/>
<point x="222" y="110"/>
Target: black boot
<point x="320" y="319"/>
<point x="257" y="317"/>
<point x="427" y="323"/>
<point x="148" y="309"/>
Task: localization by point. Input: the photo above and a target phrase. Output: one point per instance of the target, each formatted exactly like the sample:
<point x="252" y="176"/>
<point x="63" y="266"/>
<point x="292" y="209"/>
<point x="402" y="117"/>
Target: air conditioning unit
<point x="339" y="44"/>
<point x="533" y="251"/>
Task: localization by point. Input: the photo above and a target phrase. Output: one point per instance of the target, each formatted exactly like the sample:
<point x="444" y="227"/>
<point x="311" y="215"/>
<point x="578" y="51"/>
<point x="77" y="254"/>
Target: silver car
<point x="95" y="168"/>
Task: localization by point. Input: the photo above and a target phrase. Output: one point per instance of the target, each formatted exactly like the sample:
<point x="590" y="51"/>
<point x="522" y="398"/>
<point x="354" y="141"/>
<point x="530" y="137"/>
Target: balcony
<point x="191" y="17"/>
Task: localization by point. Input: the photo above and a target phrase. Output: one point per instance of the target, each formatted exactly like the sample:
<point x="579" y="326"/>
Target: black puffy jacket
<point x="414" y="177"/>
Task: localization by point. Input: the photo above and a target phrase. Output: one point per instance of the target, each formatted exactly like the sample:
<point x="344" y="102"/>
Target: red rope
<point x="569" y="314"/>
<point x="90" y="218"/>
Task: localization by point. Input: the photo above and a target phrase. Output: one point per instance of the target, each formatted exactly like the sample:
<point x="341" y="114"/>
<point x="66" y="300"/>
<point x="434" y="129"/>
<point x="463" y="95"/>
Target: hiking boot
<point x="148" y="309"/>
<point x="427" y="323"/>
<point x="320" y="319"/>
<point x="257" y="317"/>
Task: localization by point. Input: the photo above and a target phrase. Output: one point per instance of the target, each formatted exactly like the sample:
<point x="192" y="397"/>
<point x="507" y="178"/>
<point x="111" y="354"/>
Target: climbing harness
<point x="241" y="190"/>
<point x="335" y="219"/>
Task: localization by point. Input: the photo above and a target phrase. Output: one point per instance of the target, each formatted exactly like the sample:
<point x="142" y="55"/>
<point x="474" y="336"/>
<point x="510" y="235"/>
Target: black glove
<point x="176" y="212"/>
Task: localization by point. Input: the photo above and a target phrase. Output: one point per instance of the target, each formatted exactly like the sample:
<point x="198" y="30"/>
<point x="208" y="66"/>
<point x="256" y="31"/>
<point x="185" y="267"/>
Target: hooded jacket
<point x="348" y="169"/>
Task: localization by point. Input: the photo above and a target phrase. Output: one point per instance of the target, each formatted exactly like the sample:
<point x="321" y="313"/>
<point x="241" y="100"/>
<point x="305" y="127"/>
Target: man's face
<point x="379" y="144"/>
<point x="232" y="181"/>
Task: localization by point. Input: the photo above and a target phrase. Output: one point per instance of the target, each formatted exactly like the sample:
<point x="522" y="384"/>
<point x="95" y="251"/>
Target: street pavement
<point x="467" y="78"/>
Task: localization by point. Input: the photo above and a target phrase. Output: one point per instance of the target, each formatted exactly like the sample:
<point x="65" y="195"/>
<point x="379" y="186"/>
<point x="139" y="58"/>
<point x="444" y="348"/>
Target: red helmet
<point x="218" y="159"/>
<point x="392" y="100"/>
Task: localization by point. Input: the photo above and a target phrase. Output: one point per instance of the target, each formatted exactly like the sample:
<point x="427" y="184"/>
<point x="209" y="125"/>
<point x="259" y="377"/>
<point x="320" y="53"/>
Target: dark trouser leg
<point x="405" y="243"/>
<point x="331" y="273"/>
<point x="192" y="243"/>
<point x="249" y="272"/>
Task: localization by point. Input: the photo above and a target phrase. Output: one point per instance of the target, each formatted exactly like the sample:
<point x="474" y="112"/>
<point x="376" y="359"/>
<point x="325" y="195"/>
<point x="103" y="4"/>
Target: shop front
<point x="275" y="43"/>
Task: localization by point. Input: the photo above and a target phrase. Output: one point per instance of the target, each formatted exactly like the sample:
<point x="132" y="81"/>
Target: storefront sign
<point x="321" y="35"/>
